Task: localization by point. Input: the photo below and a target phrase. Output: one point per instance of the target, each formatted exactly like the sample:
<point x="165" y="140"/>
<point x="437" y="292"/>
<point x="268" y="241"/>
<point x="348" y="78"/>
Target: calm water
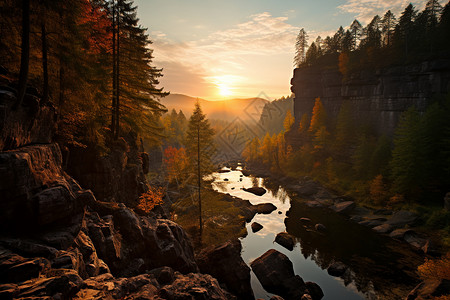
<point x="380" y="268"/>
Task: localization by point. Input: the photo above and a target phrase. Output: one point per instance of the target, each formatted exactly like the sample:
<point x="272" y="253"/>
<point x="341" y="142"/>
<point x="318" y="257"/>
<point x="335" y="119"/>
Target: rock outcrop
<point x="376" y="96"/>
<point x="35" y="190"/>
<point x="31" y="123"/>
<point x="286" y="240"/>
<point x="276" y="273"/>
<point x="225" y="263"/>
<point x="116" y="177"/>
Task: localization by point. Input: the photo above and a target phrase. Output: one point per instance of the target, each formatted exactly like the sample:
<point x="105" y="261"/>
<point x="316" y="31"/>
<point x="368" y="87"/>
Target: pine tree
<point x="300" y="48"/>
<point x="388" y="26"/>
<point x="356" y="31"/>
<point x="404" y="29"/>
<point x="407" y="155"/>
<point x="199" y="148"/>
<point x="135" y="79"/>
<point x="312" y="54"/>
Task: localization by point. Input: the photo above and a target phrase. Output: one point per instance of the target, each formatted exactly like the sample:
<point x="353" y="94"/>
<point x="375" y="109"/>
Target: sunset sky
<point x="235" y="48"/>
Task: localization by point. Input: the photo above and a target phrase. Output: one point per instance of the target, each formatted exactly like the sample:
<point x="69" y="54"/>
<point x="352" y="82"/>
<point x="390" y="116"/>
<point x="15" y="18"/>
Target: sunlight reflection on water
<point x="256" y="244"/>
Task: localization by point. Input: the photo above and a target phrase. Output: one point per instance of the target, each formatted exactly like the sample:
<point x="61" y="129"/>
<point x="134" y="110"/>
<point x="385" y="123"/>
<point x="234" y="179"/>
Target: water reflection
<point x="379" y="268"/>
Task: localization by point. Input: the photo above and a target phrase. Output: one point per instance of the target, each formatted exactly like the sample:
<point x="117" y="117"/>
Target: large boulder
<point x="286" y="240"/>
<point x="225" y="263"/>
<point x="193" y="286"/>
<point x="256" y="227"/>
<point x="402" y="218"/>
<point x="265" y="208"/>
<point x="276" y="273"/>
<point x="337" y="269"/>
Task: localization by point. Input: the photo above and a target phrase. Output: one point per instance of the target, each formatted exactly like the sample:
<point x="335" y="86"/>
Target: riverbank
<point x="409" y="238"/>
<point x="402" y="223"/>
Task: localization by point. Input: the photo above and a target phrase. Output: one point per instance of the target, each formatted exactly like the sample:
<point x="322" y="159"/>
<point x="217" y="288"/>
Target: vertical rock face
<point x="376" y="96"/>
<point x="116" y="177"/>
<point x="34" y="189"/>
<point x="31" y="123"/>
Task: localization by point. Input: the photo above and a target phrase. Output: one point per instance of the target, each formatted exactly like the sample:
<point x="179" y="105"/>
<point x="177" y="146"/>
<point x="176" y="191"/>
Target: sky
<point x="243" y="48"/>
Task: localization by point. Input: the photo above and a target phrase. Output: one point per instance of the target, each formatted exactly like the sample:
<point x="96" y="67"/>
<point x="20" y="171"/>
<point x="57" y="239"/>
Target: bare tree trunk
<point x="199" y="183"/>
<point x="114" y="87"/>
<point x="116" y="136"/>
<point x="25" y="53"/>
<point x="61" y="87"/>
<point x="45" y="90"/>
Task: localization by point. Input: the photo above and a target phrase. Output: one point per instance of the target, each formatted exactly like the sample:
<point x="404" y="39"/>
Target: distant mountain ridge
<point x="244" y="108"/>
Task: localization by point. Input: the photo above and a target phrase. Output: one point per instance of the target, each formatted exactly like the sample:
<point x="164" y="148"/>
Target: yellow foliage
<point x="435" y="268"/>
<point x="378" y="190"/>
<point x="150" y="199"/>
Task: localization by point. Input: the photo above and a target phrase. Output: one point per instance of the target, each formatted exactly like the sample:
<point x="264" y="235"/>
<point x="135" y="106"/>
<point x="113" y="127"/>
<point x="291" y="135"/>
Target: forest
<point x="105" y="193"/>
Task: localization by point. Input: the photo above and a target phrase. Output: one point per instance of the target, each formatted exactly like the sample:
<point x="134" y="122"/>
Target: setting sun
<point x="224" y="90"/>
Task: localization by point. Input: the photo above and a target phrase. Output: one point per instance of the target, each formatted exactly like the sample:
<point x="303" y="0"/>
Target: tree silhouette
<point x="199" y="148"/>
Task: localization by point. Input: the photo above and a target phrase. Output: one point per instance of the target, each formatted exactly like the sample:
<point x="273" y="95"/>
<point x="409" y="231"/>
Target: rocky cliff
<point x="57" y="241"/>
<point x="377" y="97"/>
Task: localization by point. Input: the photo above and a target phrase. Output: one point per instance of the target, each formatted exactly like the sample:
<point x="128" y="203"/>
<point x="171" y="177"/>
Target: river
<point x="379" y="267"/>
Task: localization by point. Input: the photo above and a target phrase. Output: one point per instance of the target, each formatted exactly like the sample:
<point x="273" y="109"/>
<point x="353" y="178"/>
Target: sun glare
<point x="226" y="85"/>
<point x="224" y="90"/>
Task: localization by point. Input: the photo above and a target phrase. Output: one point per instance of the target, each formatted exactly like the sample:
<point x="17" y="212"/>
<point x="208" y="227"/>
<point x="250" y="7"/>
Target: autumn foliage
<point x="435" y="268"/>
<point x="150" y="199"/>
<point x="176" y="162"/>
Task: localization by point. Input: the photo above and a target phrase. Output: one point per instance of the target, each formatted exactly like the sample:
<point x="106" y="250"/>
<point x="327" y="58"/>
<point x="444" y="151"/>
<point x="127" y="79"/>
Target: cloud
<point x="365" y="10"/>
<point x="228" y="52"/>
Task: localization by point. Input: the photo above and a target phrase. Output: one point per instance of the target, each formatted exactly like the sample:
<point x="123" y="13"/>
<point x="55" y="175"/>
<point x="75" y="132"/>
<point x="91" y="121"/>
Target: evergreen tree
<point x="136" y="79"/>
<point x="373" y="34"/>
<point x="347" y="42"/>
<point x="381" y="156"/>
<point x="356" y="31"/>
<point x="404" y="29"/>
<point x="345" y="132"/>
<point x="407" y="155"/>
<point x="312" y="54"/>
<point x="199" y="148"/>
<point x="388" y="26"/>
<point x="300" y="48"/>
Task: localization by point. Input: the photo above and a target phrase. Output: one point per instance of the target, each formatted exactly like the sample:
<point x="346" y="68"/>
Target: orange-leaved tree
<point x="176" y="162"/>
<point x="151" y="198"/>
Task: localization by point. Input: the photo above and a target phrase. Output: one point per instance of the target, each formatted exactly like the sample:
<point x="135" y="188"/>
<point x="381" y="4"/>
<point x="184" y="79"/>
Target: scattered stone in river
<point x="258" y="191"/>
<point x="314" y="203"/>
<point x="320" y="227"/>
<point x="226" y="179"/>
<point x="315" y="291"/>
<point x="265" y="208"/>
<point x="402" y="218"/>
<point x="305" y="220"/>
<point x="400" y="233"/>
<point x="286" y="240"/>
<point x="372" y="222"/>
<point x="337" y="269"/>
<point x="276" y="273"/>
<point x="344" y="207"/>
<point x="256" y="227"/>
<point x="279" y="212"/>
<point x="383" y="228"/>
